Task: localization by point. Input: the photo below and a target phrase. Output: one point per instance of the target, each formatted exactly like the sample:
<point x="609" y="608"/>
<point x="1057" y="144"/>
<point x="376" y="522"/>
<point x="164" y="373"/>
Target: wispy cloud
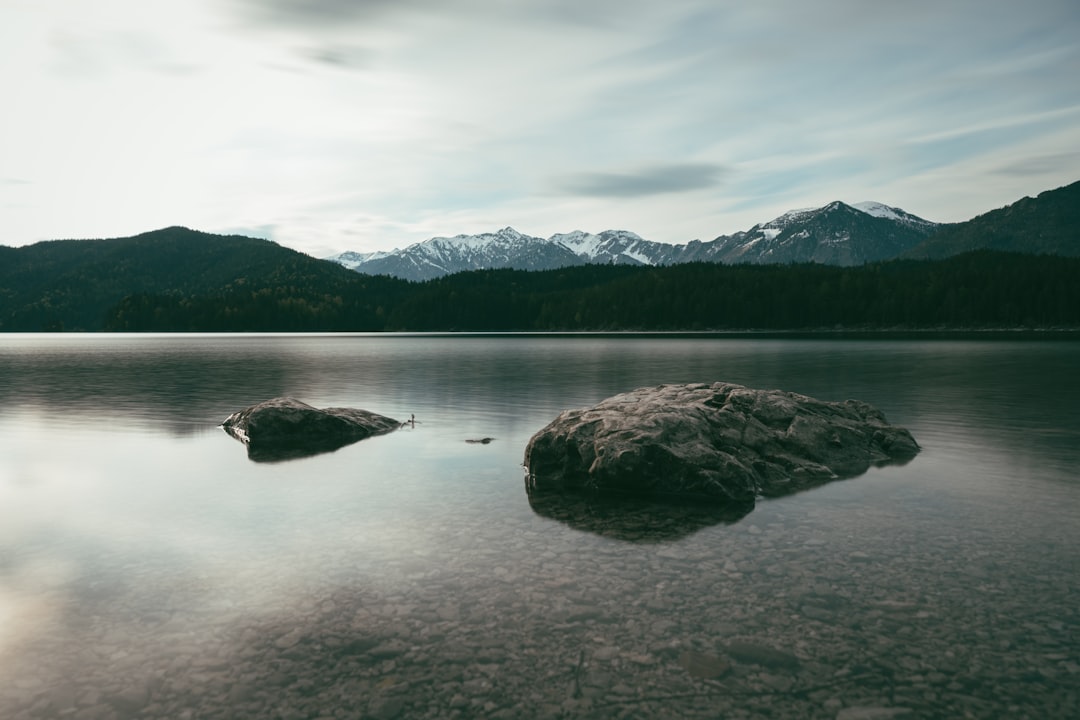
<point x="365" y="124"/>
<point x="1001" y="123"/>
<point x="1042" y="165"/>
<point x="321" y="12"/>
<point x="656" y="180"/>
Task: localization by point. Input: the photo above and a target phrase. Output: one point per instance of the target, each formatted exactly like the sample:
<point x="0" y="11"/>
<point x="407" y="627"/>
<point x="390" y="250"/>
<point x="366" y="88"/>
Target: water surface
<point x="149" y="569"/>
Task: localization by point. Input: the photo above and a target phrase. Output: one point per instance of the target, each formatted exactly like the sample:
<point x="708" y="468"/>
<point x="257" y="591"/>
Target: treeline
<point x="362" y="306"/>
<point x="983" y="289"/>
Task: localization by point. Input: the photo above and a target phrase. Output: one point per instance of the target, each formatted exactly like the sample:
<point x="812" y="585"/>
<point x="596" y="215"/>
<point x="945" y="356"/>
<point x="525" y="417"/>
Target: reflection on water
<point x="148" y="569"/>
<point x="283" y="453"/>
<point x="636" y="519"/>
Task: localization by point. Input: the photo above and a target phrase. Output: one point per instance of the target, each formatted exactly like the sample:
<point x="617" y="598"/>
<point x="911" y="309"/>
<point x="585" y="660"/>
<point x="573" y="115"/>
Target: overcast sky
<point x="331" y="125"/>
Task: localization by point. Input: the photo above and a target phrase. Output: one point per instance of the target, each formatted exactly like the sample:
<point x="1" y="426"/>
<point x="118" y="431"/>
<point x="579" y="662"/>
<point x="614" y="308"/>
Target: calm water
<point x="148" y="569"/>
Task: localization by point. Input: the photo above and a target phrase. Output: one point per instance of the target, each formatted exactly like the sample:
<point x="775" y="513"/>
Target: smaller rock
<point x="285" y="428"/>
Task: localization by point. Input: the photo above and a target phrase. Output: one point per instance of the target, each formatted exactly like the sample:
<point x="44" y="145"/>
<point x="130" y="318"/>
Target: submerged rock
<point x="722" y="442"/>
<point x="285" y="428"/>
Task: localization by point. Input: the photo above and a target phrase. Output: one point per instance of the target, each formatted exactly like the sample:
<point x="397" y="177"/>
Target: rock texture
<point x="721" y="441"/>
<point x="285" y="428"/>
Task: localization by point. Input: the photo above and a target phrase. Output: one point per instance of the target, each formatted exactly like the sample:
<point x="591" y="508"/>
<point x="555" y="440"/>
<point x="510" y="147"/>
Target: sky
<point x="334" y="125"/>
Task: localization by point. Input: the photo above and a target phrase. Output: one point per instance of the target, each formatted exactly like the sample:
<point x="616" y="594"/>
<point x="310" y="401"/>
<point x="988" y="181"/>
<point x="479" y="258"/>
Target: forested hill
<point x="77" y="284"/>
<point x="179" y="280"/>
<point x="1049" y="223"/>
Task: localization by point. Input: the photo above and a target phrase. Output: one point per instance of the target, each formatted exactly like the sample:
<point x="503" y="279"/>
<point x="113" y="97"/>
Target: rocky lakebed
<point x="773" y="617"/>
<point x="657" y="610"/>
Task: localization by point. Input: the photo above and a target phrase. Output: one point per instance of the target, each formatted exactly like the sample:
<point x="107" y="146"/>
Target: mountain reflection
<point x="176" y="385"/>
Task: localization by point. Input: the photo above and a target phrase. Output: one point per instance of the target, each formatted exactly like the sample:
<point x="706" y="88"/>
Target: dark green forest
<point x="180" y="280"/>
<point x="1046" y="224"/>
<point x="983" y="289"/>
<point x="80" y="285"/>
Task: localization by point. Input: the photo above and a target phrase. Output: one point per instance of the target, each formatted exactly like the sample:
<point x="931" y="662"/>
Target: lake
<point x="149" y="569"/>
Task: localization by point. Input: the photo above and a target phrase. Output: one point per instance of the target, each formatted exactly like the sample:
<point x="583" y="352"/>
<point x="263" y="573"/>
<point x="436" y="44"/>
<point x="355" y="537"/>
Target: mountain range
<point x="834" y="234"/>
<point x="1016" y="266"/>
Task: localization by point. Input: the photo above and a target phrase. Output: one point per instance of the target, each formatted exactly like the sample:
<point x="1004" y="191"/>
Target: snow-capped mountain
<point x="353" y="260"/>
<point x="442" y="255"/>
<point x="892" y="213"/>
<point x="836" y="234"/>
<point x="614" y="247"/>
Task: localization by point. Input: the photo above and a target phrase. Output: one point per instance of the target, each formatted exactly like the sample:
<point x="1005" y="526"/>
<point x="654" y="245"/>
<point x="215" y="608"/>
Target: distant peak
<point x="881" y="210"/>
<point x="171" y="229"/>
<point x="620" y="233"/>
<point x="871" y="207"/>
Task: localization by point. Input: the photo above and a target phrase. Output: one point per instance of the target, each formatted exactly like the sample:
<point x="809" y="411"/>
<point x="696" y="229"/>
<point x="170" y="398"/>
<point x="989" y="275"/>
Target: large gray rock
<point x="721" y="441"/>
<point x="285" y="428"/>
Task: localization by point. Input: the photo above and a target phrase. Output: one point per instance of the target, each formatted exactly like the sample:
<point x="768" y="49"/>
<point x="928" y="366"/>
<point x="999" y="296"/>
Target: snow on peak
<point x="584" y="244"/>
<point x="880" y="210"/>
<point x="509" y="232"/>
<point x="621" y="235"/>
<point x="892" y="213"/>
<point x="574" y="236"/>
<point x="791" y="216"/>
<point x="503" y="237"/>
<point x="609" y="243"/>
<point x="353" y="260"/>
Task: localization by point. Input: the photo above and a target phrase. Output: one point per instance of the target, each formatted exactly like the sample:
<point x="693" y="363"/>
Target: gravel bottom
<point x="783" y="614"/>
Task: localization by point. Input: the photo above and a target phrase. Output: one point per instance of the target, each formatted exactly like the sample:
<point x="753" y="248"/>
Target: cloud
<point x="364" y="124"/>
<point x="341" y="56"/>
<point x="321" y="12"/>
<point x="655" y="180"/>
<point x="330" y="13"/>
<point x="1041" y="165"/>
